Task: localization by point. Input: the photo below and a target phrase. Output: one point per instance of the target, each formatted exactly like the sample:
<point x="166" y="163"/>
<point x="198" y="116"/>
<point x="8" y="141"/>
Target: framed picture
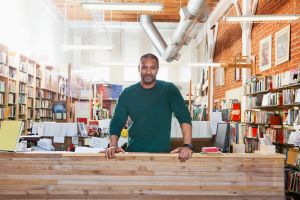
<point x="282" y="45"/>
<point x="265" y="53"/>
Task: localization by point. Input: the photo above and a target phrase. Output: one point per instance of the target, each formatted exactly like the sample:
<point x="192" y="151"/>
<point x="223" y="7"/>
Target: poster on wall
<point x="109" y="91"/>
<point x="265" y="53"/>
<point x="220" y="77"/>
<point x="282" y="45"/>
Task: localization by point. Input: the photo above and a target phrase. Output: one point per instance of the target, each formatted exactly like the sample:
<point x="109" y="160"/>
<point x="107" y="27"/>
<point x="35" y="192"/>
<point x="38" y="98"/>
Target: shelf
<point x="30" y="74"/>
<point x="258" y="124"/>
<point x="266" y="107"/>
<point x="3" y="63"/>
<point x="12" y="92"/>
<point x="4" y="76"/>
<point x="38" y="77"/>
<point x="12" y="67"/>
<point x="22" y="93"/>
<point x="23" y="71"/>
<point x="1" y="105"/>
<point x="31" y="97"/>
<point x="289" y="127"/>
<point x="12" y="104"/>
<point x="12" y="117"/>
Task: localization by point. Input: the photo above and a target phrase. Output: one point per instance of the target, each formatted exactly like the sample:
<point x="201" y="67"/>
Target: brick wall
<point x="229" y="42"/>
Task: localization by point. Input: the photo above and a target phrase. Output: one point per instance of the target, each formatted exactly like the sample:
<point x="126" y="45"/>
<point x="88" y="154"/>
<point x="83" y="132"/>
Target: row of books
<point x="30" y="92"/>
<point x="13" y="61"/>
<point x="292" y="180"/>
<point x="11" y="111"/>
<point x="22" y="98"/>
<point x="30" y="103"/>
<point x="43" y="104"/>
<point x="39" y="73"/>
<point x="2" y="110"/>
<point x="291" y="96"/>
<point x="277" y="135"/>
<point x="272" y="99"/>
<point x="22" y="109"/>
<point x="286" y="78"/>
<point x="12" y="86"/>
<point x="291" y="116"/>
<point x="1" y="98"/>
<point x="30" y="113"/>
<point x="22" y="88"/>
<point x="3" y="70"/>
<point x="11" y="98"/>
<point x="258" y="84"/>
<point x="12" y="73"/>
<point x="46" y="94"/>
<point x="31" y="81"/>
<point x="23" y="66"/>
<point x="30" y="68"/>
<point x="46" y="113"/>
<point x="38" y="83"/>
<point x="23" y="77"/>
<point x="253" y="101"/>
<point x="258" y="117"/>
<point x="3" y="57"/>
<point x="2" y="86"/>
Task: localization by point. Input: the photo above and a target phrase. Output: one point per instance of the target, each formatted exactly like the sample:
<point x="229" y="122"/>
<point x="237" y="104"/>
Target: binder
<point x="10" y="132"/>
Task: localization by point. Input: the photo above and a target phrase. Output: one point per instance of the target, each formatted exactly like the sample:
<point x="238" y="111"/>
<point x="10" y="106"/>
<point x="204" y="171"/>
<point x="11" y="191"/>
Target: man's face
<point x="148" y="69"/>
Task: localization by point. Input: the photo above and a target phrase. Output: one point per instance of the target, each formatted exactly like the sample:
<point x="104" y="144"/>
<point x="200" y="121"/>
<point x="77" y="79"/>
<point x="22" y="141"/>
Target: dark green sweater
<point x="150" y="111"/>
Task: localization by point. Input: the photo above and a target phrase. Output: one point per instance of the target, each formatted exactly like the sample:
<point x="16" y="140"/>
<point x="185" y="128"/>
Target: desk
<point x="141" y="176"/>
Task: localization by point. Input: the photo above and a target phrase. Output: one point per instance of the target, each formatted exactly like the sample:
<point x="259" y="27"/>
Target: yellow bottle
<point x="124" y="132"/>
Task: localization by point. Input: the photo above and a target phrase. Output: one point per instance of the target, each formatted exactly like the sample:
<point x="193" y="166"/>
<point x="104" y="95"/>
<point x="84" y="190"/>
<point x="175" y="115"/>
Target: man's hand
<point x="110" y="152"/>
<point x="184" y="153"/>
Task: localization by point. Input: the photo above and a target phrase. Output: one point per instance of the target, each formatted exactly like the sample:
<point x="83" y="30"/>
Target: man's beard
<point x="148" y="79"/>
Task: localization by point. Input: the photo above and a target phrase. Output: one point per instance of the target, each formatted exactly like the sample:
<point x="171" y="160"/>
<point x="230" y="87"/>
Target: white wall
<point x="32" y="28"/>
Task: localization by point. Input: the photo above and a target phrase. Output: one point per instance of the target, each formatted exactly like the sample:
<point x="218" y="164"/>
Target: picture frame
<point x="282" y="45"/>
<point x="265" y="53"/>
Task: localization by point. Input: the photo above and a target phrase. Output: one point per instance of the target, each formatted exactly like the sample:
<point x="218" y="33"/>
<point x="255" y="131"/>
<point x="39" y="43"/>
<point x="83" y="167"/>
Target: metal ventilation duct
<point x="152" y="32"/>
<point x="188" y="16"/>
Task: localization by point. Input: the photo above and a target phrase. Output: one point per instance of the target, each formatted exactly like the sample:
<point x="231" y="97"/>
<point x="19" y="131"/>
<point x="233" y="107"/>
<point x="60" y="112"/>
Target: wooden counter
<point x="141" y="176"/>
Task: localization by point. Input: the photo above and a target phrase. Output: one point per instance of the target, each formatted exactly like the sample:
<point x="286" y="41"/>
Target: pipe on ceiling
<point x="154" y="35"/>
<point x="188" y="17"/>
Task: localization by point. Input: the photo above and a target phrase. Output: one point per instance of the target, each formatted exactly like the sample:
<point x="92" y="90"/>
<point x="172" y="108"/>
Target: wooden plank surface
<point x="141" y="176"/>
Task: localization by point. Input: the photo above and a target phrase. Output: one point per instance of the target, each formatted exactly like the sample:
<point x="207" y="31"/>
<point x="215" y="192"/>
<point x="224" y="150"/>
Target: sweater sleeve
<point x="120" y="116"/>
<point x="178" y="106"/>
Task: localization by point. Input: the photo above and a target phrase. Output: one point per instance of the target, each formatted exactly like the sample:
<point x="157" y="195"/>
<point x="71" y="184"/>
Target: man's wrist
<point x="190" y="146"/>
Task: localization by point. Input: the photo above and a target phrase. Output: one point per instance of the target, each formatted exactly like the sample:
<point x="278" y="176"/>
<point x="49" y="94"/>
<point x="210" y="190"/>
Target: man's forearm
<point x="114" y="140"/>
<point x="187" y="133"/>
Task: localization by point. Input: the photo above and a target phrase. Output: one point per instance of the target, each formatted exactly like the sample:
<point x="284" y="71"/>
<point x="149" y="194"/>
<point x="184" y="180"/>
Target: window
<point x="163" y="74"/>
<point x="100" y="74"/>
<point x="131" y="74"/>
<point x="185" y="74"/>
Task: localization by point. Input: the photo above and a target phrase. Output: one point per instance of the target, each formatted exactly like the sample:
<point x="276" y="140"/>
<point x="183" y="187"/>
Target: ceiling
<point x="73" y="11"/>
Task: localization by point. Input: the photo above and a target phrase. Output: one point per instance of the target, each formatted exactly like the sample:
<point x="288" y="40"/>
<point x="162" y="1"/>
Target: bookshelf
<point x="3" y="79"/>
<point x="272" y="106"/>
<point x="37" y="104"/>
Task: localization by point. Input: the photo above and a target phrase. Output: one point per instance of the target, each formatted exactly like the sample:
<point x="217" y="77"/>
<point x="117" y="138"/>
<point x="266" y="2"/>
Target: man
<point x="150" y="104"/>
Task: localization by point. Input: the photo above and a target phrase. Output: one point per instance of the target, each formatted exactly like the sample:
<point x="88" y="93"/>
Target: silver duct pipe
<point x="152" y="32"/>
<point x="188" y="16"/>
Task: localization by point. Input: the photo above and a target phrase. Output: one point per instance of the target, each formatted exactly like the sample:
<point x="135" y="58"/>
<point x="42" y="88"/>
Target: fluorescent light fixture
<point x="253" y="18"/>
<point x="69" y="47"/>
<point x="119" y="64"/>
<point x="122" y="6"/>
<point x="205" y="64"/>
